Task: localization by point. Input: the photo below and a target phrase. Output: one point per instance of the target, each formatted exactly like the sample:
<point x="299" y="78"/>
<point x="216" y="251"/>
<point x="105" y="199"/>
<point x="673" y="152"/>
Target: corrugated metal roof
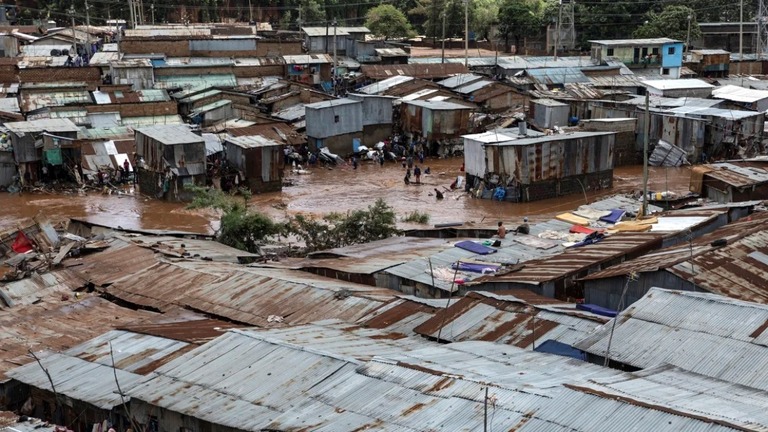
<point x="633" y="42"/>
<point x="208" y="250"/>
<point x="132" y="352"/>
<point x="252" y="141"/>
<point x="703" y="333"/>
<point x="301" y="59"/>
<point x="677" y="84"/>
<point x="470" y="88"/>
<point x="57" y="324"/>
<point x="557" y="75"/>
<point x="425" y="71"/>
<point x="438" y="105"/>
<point x="47" y="125"/>
<point x="191" y="84"/>
<point x="684" y="391"/>
<point x="292" y="113"/>
<point x="194" y="331"/>
<point x="384" y="85"/>
<point x="31" y="101"/>
<point x="104" y="58"/>
<point x="78" y="379"/>
<point x="210" y="107"/>
<point x="329" y="31"/>
<point x="738" y="176"/>
<point x="171" y="134"/>
<point x="140" y="121"/>
<point x="506" y="318"/>
<point x="31" y="289"/>
<point x="250" y="295"/>
<point x="391" y="52"/>
<point x="402" y="315"/>
<point x="578" y="260"/>
<point x="460" y="80"/>
<point x="332" y="103"/>
<point x="714" y="269"/>
<point x="739" y="94"/>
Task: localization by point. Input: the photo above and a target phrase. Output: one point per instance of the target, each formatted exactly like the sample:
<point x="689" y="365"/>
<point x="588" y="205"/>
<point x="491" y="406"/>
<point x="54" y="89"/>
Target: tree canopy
<point x="387" y="21"/>
<point x="672" y="22"/>
<point x="519" y="19"/>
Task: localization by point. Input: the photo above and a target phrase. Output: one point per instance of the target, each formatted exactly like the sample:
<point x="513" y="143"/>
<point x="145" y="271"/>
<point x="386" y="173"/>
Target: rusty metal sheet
<point x="425" y="71"/>
<point x="193" y="331"/>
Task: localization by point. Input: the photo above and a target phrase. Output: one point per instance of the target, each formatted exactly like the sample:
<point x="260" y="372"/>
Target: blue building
<point x="672" y="59"/>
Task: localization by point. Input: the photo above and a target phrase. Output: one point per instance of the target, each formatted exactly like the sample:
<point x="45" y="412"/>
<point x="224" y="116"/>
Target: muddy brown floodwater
<point x="331" y="190"/>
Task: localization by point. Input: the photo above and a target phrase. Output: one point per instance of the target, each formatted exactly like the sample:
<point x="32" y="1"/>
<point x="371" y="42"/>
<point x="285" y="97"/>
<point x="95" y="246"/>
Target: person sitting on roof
<point x="524" y="228"/>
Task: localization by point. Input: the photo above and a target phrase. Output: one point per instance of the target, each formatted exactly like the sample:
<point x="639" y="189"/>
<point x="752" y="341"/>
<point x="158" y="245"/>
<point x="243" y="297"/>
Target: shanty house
<point x="310" y="69"/>
<point x="173" y="158"/>
<point x="336" y="124"/>
<point x="543" y="167"/>
<point x="435" y="120"/>
<point x="136" y="72"/>
<point x="259" y="159"/>
<point x="710" y="62"/>
<point x="665" y="53"/>
<point x="755" y="100"/>
<point x="377" y="117"/>
<point x="730" y="182"/>
<point x="320" y="39"/>
<point x="678" y="88"/>
<point x="548" y="113"/>
<point x="27" y="140"/>
<point x="705" y="264"/>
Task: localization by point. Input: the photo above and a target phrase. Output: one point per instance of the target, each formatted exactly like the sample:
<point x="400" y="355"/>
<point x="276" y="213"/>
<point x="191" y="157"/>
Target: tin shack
<point x="258" y="160"/>
<point x="537" y="168"/>
<point x="173" y="158"/>
<point x="336" y="124"/>
<point x="548" y="113"/>
<point x="377" y="117"/>
<point x="27" y="140"/>
<point x="710" y="63"/>
<point x="439" y="122"/>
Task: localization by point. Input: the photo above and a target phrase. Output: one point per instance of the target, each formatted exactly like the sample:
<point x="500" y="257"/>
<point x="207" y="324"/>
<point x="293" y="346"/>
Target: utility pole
<point x="485" y="411"/>
<point x="646" y="139"/>
<point x="741" y="34"/>
<point x="131" y="11"/>
<point x="335" y="64"/>
<point x="74" y="39"/>
<point x="443" y="54"/>
<point x="87" y="15"/>
<point x="250" y="12"/>
<point x="557" y="27"/>
<point x="688" y="37"/>
<point x="152" y="9"/>
<point x="466" y="33"/>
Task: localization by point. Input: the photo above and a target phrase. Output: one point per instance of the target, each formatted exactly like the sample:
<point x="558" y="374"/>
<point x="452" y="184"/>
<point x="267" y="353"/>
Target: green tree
<point x="672" y="22"/>
<point x="486" y="13"/>
<point x="387" y="21"/>
<point x="334" y="230"/>
<point x="240" y="228"/>
<point x="519" y="19"/>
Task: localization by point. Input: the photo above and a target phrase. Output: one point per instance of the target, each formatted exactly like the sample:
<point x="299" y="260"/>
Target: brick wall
<point x="90" y="75"/>
<point x="183" y="71"/>
<point x="259" y="71"/>
<point x="275" y="48"/>
<point x="137" y="109"/>
<point x="171" y="48"/>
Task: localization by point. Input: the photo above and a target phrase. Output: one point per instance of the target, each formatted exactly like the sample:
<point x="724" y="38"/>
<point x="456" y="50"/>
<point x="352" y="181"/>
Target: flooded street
<point x="327" y="190"/>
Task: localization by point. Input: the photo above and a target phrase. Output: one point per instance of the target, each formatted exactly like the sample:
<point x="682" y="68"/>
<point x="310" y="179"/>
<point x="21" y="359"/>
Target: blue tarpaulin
<point x="475" y="247"/>
<point x="475" y="268"/>
<point x="561" y="349"/>
<point x="614" y="217"/>
<point x="597" y="310"/>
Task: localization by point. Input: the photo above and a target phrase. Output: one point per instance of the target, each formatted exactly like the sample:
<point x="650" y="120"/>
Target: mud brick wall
<point x="89" y="75"/>
<point x="137" y="109"/>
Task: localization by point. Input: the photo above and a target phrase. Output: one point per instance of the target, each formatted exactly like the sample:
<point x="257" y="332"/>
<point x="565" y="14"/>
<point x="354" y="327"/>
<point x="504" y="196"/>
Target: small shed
<point x="27" y="140"/>
<point x="755" y="100"/>
<point x="336" y="124"/>
<point x="173" y="158"/>
<point x="435" y="120"/>
<point x="259" y="160"/>
<point x="310" y="69"/>
<point x="548" y="113"/>
<point x="730" y="182"/>
<point x="677" y="88"/>
<point x="377" y="117"/>
<point x="710" y="63"/>
<point x="136" y="72"/>
<point x="7" y="167"/>
<point x="537" y="168"/>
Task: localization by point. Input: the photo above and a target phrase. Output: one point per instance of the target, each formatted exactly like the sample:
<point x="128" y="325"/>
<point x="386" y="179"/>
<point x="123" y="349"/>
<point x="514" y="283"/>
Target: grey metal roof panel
<point x="472" y="87"/>
<point x="460" y="80"/>
<point x="252" y="141"/>
<point x="703" y="333"/>
<point x="332" y="103"/>
<point x="78" y="379"/>
<point x="132" y="352"/>
<point x="171" y="134"/>
<point x="691" y="393"/>
<point x="384" y="85"/>
<point x="438" y="105"/>
<point x="48" y="125"/>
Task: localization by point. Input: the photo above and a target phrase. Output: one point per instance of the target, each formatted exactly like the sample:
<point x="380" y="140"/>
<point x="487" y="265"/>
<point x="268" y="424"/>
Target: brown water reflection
<point x="324" y="191"/>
